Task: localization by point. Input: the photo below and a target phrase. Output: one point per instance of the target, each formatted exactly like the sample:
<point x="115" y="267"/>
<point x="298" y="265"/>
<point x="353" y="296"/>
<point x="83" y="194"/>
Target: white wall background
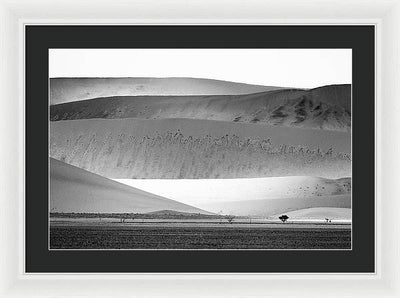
<point x="303" y="68"/>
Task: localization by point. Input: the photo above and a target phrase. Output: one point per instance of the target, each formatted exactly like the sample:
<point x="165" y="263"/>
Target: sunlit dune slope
<point x="76" y="190"/>
<point x="321" y="213"/>
<point x="200" y="191"/>
<point x="327" y="108"/>
<point x="194" y="149"/>
<point x="268" y="207"/>
<point x="74" y="89"/>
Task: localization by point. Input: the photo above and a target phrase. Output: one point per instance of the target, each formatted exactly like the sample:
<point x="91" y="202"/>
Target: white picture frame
<point x="384" y="15"/>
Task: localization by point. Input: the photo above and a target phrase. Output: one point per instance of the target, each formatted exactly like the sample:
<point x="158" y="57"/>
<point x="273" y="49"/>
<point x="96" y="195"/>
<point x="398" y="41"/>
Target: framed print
<point x="180" y="154"/>
<point x="218" y="164"/>
<point x="282" y="199"/>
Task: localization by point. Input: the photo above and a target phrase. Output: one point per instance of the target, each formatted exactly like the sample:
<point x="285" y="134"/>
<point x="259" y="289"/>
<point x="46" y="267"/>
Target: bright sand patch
<point x="255" y="196"/>
<point x="330" y="213"/>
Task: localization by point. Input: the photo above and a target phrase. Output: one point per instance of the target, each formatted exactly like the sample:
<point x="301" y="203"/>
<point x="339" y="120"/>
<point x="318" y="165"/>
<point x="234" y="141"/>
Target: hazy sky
<point x="304" y="68"/>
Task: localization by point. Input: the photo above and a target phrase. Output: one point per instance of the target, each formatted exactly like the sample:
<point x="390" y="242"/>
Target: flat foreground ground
<point x="199" y="236"/>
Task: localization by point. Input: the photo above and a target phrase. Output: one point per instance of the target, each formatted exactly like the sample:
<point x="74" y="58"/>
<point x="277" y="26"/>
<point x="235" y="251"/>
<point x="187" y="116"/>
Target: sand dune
<point x="192" y="137"/>
<point x="268" y="207"/>
<point x="319" y="213"/>
<point x="74" y="89"/>
<point x="75" y="190"/>
<point x="195" y="149"/>
<point x="327" y="107"/>
<point x="203" y="191"/>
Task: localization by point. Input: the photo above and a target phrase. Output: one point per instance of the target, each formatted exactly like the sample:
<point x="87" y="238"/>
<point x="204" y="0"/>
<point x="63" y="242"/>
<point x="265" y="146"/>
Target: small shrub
<point x="230" y="218"/>
<point x="284" y="218"/>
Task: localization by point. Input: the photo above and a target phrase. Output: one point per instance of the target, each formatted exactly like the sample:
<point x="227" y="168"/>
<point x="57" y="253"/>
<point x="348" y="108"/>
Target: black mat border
<point x="38" y="39"/>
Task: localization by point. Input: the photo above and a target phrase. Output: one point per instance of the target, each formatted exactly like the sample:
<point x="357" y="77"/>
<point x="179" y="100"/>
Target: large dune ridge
<point x="327" y="108"/>
<point x="75" y="190"/>
<point x="201" y="191"/>
<point x="268" y="207"/>
<point x="198" y="149"/>
<point x="75" y="89"/>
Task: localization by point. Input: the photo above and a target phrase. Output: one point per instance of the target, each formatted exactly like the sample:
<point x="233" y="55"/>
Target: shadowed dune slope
<point x="194" y="149"/>
<point x="74" y="89"/>
<point x="327" y="108"/>
<point x="270" y="207"/>
<point x="76" y="190"/>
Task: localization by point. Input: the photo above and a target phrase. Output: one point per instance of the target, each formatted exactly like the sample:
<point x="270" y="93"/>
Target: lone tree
<point x="284" y="218"/>
<point x="230" y="218"/>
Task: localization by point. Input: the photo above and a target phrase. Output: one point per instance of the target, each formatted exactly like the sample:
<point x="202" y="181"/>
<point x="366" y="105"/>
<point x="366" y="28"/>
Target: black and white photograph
<point x="200" y="149"/>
